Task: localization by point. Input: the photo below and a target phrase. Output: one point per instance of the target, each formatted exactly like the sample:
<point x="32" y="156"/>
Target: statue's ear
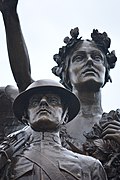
<point x="11" y="92"/>
<point x="65" y="117"/>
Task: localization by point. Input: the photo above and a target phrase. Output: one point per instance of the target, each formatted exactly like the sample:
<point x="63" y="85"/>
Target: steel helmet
<point x="46" y="85"/>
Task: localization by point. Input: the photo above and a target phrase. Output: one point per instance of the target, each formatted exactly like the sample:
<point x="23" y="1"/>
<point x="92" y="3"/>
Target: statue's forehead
<point x="86" y="43"/>
<point x="86" y="46"/>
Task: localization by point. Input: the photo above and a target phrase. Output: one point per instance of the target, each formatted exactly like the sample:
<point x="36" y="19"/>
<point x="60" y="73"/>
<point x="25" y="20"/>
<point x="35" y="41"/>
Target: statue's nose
<point x="43" y="101"/>
<point x="89" y="60"/>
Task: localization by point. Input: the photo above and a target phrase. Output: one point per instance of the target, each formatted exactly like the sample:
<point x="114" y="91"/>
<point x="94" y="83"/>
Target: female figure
<point x="83" y="67"/>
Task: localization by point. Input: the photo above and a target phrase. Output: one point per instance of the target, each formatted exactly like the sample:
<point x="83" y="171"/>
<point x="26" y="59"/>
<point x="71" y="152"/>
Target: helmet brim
<point x="69" y="100"/>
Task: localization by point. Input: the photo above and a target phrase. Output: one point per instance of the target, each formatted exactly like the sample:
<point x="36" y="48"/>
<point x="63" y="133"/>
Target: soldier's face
<point x="45" y="112"/>
<point x="87" y="66"/>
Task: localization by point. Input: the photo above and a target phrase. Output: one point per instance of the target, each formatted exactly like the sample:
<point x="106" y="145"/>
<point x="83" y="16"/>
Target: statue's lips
<point x="43" y="110"/>
<point x="90" y="70"/>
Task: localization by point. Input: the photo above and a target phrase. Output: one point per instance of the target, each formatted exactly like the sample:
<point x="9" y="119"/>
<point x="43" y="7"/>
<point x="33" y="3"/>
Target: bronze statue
<point x="17" y="50"/>
<point x="8" y="122"/>
<point x="45" y="105"/>
<point x="87" y="90"/>
<point x="84" y="67"/>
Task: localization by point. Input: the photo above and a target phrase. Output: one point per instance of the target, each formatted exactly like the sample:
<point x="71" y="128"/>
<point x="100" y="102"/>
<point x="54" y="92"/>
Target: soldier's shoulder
<point x="89" y="160"/>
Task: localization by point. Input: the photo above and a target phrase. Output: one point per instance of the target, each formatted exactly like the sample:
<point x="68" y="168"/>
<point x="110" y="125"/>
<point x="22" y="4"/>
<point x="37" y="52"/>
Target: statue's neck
<point x="90" y="102"/>
<point x="47" y="137"/>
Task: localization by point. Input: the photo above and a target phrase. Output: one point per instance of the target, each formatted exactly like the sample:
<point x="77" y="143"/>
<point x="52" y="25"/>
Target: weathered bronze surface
<point x="43" y="156"/>
<point x="8" y="122"/>
<point x="83" y="67"/>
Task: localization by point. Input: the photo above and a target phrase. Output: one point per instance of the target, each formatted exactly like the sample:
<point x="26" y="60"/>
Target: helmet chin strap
<point x="25" y="120"/>
<point x="65" y="117"/>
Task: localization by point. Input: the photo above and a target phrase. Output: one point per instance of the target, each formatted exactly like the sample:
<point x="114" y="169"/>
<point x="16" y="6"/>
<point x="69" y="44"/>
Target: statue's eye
<point x="78" y="58"/>
<point x="97" y="57"/>
<point x="33" y="102"/>
<point x="54" y="101"/>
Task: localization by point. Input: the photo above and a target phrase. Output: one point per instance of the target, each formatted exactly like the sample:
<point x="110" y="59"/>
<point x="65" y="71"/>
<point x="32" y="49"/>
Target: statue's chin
<point x="90" y="85"/>
<point x="44" y="126"/>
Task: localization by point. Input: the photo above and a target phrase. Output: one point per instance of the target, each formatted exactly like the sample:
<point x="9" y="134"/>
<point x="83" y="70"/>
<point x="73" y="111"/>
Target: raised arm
<point x="17" y="50"/>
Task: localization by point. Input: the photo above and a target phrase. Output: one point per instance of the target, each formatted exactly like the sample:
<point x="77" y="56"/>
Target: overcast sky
<point x="45" y="23"/>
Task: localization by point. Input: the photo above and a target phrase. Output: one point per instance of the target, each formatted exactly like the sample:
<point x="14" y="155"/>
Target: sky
<point x="45" y="23"/>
